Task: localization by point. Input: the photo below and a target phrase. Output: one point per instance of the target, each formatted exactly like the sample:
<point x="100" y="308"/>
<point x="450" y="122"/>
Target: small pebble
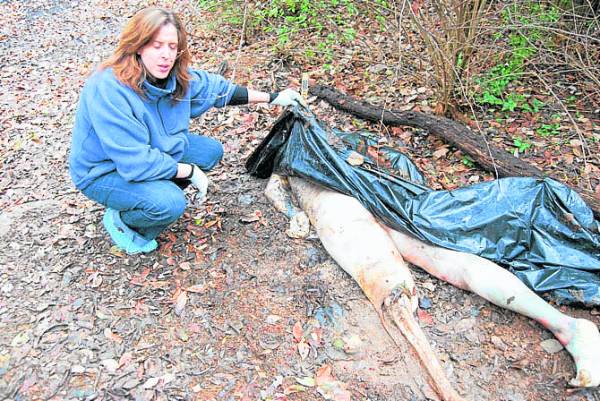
<point x="273" y="319"/>
<point x="551" y="346"/>
<point x="424" y="302"/>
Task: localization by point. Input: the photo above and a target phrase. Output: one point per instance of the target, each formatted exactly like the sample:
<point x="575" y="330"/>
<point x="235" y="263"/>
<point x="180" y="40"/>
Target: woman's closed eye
<point x="158" y="45"/>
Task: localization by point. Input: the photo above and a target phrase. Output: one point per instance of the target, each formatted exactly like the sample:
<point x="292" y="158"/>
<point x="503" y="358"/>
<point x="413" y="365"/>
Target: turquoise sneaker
<point x="123" y="236"/>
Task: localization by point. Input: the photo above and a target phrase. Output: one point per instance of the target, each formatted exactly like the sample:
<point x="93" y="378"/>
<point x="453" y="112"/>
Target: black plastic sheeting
<point x="538" y="228"/>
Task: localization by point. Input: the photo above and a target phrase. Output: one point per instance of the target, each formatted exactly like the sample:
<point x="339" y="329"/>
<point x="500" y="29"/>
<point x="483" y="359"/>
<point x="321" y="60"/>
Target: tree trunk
<point x="490" y="158"/>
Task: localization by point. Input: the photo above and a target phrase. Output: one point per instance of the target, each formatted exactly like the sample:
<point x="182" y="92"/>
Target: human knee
<point x="168" y="206"/>
<point x="215" y="151"/>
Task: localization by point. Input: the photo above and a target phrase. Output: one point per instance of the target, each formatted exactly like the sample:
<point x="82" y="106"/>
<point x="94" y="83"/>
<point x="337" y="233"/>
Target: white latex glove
<point x="200" y="181"/>
<point x="289" y="97"/>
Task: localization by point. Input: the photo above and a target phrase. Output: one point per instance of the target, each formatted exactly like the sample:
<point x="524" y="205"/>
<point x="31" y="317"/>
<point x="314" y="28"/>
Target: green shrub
<point x="527" y="19"/>
<point x="311" y="29"/>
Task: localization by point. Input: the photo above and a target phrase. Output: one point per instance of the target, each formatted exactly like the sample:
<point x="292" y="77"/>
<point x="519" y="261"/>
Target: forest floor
<point x="229" y="307"/>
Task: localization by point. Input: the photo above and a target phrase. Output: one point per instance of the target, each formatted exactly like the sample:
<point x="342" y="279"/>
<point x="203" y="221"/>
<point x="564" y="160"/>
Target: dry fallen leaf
<point x="424" y="317"/>
<point x="315" y="337"/>
<point x="329" y="387"/>
<point x="355" y="159"/>
<point x="294" y="388"/>
<point x="306" y="381"/>
<point x="180" y="302"/>
<point x="110" y="364"/>
<point x="441" y="152"/>
<point x="140" y="278"/>
<point x="251" y="217"/>
<point x="95" y="279"/>
<point x="151" y="382"/>
<point x="19" y="339"/>
<point x="297" y="331"/>
<point x="125" y="359"/>
<point x="108" y="333"/>
<point x="323" y="375"/>
<point x="116" y="251"/>
<point x="197" y="288"/>
<point x="303" y="349"/>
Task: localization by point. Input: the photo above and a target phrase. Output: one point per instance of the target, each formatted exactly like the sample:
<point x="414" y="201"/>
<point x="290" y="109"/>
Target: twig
<point x="200" y="373"/>
<point x="584" y="146"/>
<point x="97" y="381"/>
<point x="462" y="29"/>
<point x="39" y="338"/>
<point x="12" y="392"/>
<point x="60" y="384"/>
<point x="242" y="38"/>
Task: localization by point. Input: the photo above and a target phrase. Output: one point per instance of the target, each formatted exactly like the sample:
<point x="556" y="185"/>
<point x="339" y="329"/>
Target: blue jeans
<point x="149" y="207"/>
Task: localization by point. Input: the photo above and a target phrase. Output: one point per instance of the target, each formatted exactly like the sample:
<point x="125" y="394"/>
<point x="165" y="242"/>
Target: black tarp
<point x="538" y="228"/>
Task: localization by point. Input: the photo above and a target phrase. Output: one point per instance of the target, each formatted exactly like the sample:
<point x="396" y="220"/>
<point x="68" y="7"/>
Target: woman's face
<point x="159" y="55"/>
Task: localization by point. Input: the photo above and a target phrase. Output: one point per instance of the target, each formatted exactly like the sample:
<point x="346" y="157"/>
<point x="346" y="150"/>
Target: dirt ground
<point x="229" y="308"/>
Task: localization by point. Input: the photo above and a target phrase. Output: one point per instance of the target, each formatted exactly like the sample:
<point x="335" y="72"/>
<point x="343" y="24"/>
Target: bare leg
<point x="355" y="240"/>
<point x="483" y="277"/>
<point x="363" y="248"/>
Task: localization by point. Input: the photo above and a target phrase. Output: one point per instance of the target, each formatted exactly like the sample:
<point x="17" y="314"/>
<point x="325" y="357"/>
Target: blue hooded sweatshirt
<point x="141" y="138"/>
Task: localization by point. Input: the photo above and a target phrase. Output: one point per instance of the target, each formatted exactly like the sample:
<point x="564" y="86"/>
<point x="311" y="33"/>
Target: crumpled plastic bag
<point x="538" y="228"/>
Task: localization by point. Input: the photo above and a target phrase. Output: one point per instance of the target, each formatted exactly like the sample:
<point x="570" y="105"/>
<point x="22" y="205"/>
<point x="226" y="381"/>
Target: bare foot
<point x="299" y="226"/>
<point x="584" y="347"/>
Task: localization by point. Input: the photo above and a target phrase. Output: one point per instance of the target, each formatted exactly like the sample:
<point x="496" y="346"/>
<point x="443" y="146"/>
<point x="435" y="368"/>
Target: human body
<point x="131" y="148"/>
<point x="376" y="257"/>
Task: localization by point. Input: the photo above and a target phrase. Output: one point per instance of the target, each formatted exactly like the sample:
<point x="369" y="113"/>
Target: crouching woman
<point x="131" y="148"/>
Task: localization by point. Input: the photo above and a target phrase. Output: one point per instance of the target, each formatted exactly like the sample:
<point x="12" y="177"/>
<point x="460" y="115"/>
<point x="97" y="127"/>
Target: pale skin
<point x="341" y="224"/>
<point x="472" y="273"/>
<point x="158" y="57"/>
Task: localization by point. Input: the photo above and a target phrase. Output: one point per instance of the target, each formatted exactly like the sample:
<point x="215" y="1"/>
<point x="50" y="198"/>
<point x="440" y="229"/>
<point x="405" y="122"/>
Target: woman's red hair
<point x="139" y="31"/>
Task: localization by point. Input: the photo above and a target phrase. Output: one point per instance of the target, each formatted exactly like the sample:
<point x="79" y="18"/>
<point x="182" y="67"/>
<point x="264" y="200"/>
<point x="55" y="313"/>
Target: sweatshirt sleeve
<point x="208" y="90"/>
<point x="124" y="139"/>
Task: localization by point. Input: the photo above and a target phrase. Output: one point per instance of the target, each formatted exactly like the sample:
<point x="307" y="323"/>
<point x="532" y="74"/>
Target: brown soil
<point x="215" y="313"/>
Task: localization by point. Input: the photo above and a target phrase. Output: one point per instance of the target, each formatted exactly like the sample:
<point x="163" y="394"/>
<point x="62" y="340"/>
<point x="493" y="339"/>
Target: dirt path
<point x="229" y="308"/>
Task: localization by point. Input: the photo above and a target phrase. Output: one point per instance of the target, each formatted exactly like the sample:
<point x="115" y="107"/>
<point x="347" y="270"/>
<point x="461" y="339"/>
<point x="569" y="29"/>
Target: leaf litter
<point x="228" y="307"/>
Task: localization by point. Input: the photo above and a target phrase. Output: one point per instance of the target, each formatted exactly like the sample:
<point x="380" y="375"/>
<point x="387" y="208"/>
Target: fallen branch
<point x="457" y="134"/>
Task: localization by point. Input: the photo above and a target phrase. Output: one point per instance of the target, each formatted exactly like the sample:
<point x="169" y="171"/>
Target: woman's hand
<point x="200" y="181"/>
<point x="289" y="97"/>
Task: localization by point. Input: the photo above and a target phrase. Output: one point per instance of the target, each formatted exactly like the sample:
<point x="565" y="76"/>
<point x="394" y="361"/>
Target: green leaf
<point x="306" y="381"/>
<point x="491" y="99"/>
<point x="509" y="105"/>
<point x="338" y="344"/>
<point x="521" y="144"/>
<point x="537" y="105"/>
<point x="467" y="161"/>
<point x="548" y="129"/>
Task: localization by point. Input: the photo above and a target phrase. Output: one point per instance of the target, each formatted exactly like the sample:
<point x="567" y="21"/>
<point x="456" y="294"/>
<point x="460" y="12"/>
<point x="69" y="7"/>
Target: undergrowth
<point x="312" y="30"/>
<point x="524" y="41"/>
<point x="513" y="86"/>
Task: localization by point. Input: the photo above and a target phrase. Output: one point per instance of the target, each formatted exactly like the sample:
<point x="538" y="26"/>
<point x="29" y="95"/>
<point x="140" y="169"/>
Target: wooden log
<point x="489" y="157"/>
